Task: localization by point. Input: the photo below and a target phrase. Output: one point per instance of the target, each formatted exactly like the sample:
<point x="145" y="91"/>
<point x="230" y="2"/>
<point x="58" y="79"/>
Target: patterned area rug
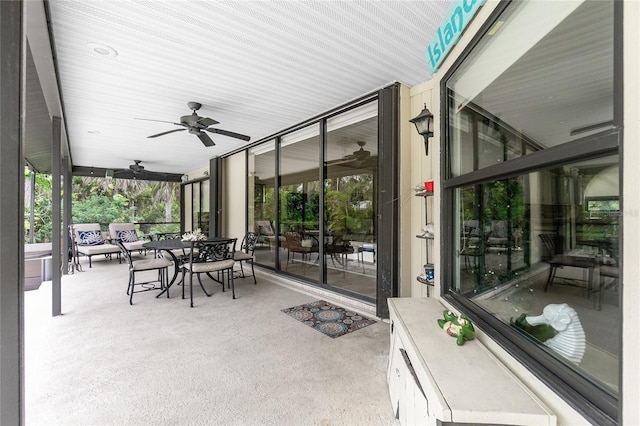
<point x="329" y="319"/>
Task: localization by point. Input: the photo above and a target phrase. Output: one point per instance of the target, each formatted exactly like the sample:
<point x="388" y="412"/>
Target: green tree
<point x="105" y="200"/>
<point x="42" y="210"/>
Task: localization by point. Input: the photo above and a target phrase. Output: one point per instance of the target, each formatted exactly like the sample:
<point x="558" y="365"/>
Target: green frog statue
<point x="457" y="326"/>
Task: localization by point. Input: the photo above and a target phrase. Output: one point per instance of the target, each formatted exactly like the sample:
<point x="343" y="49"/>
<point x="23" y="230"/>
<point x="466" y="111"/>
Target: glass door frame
<point x="386" y="223"/>
<point x="204" y="199"/>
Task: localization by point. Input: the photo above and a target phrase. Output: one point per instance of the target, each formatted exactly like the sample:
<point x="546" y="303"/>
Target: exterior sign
<point x="449" y="31"/>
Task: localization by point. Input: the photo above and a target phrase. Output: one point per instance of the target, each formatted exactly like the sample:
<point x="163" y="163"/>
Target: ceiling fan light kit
<point x="197" y="125"/>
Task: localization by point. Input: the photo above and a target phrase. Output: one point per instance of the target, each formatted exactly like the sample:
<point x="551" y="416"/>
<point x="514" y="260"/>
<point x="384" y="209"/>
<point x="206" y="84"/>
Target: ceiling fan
<point x="356" y="159"/>
<point x="197" y="125"/>
<point x="137" y="171"/>
<point x="137" y="167"/>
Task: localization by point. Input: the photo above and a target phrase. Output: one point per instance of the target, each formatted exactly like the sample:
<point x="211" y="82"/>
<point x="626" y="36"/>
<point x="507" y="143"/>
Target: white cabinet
<point x="432" y="380"/>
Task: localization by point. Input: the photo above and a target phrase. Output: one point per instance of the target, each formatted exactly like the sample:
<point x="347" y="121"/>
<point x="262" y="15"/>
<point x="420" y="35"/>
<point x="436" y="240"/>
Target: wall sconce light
<point x="424" y="126"/>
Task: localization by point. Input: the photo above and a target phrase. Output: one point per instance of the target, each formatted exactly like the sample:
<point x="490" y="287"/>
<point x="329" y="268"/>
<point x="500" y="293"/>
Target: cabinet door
<point x="414" y="408"/>
<point x="396" y="373"/>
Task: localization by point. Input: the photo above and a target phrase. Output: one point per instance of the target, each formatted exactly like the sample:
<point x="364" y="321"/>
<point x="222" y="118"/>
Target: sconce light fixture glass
<point x="424" y="126"/>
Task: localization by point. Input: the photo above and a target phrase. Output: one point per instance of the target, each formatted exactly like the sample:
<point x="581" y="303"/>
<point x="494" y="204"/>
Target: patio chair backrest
<point x="88" y="234"/>
<point x="125" y="253"/>
<point x="214" y="251"/>
<point x="249" y="242"/>
<point x="158" y="236"/>
<point x="123" y="231"/>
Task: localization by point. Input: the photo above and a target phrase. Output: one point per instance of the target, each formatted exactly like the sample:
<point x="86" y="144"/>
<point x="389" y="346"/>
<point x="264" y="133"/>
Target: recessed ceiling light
<point x="102" y="49"/>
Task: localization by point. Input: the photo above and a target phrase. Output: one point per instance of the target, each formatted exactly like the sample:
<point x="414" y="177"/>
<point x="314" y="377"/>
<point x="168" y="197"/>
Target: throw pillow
<point x="128" y="236"/>
<point x="90" y="238"/>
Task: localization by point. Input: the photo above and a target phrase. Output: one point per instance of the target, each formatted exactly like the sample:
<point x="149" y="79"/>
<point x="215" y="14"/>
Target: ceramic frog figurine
<point x="457" y="326"/>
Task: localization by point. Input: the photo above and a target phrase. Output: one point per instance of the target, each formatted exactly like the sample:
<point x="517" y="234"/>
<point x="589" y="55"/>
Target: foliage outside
<point x="107" y="200"/>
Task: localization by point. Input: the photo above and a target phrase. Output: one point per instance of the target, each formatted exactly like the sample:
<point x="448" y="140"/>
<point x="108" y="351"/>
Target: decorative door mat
<point x="334" y="321"/>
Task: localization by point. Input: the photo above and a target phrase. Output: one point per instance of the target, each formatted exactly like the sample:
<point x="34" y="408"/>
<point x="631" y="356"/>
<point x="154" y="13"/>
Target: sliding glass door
<point x="299" y="196"/>
<point x="351" y="172"/>
<point x="262" y="210"/>
<point x="313" y="201"/>
<point x="196" y="205"/>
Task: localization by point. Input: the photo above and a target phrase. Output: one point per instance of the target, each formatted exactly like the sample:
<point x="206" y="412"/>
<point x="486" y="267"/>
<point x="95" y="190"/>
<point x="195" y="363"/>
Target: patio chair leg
<point x="165" y="279"/>
<point x="230" y="276"/>
<point x="191" y="287"/>
<point x="254" y="274"/>
<point x="132" y="280"/>
<point x="552" y="274"/>
<point x="202" y="286"/>
<point x="183" y="282"/>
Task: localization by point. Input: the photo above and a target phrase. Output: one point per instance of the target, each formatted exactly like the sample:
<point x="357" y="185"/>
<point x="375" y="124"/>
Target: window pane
<point x="300" y="202"/>
<point x="195" y="202"/>
<point x="204" y="206"/>
<point x="262" y="213"/>
<point x="350" y="207"/>
<point x="527" y="88"/>
<point x="548" y="238"/>
<point x="529" y="242"/>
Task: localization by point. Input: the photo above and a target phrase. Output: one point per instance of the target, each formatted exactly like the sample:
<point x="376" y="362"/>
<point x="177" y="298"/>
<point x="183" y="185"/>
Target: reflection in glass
<point x="350" y="206"/>
<point x="506" y="101"/>
<point x="261" y="189"/>
<point x="545" y="238"/>
<point x="203" y="220"/>
<point x="195" y="202"/>
<point x="299" y="198"/>
<point x="348" y="238"/>
<point x="526" y="240"/>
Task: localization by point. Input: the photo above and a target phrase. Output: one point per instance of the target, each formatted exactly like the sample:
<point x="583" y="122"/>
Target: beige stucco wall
<point x="234" y="207"/>
<point x="423" y="168"/>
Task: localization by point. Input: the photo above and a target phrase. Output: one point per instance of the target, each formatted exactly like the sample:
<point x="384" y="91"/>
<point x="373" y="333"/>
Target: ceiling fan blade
<point x="165" y="133"/>
<point x="589" y="128"/>
<point x="338" y="161"/>
<point x="206" y="121"/>
<point x="158" y="121"/>
<point x="228" y="133"/>
<point x="206" y="140"/>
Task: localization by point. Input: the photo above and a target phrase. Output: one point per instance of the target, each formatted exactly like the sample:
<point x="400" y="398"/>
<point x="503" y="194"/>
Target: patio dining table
<point x="169" y="246"/>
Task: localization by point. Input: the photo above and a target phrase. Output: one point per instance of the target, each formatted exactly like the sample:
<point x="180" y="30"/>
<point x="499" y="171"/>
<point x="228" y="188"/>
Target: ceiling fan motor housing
<point x="194" y="106"/>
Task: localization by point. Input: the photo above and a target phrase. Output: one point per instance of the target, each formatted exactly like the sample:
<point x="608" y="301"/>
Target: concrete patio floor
<point x="223" y="362"/>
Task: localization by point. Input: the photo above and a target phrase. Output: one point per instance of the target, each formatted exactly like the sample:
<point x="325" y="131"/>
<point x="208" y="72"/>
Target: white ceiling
<point x="257" y="67"/>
